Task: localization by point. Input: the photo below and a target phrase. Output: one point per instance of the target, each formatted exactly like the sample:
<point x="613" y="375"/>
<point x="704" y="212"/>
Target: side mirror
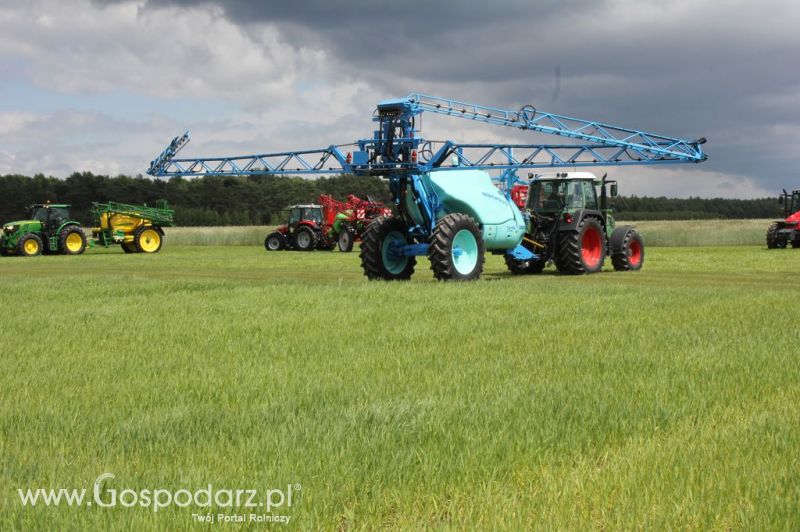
<point x="614" y="190"/>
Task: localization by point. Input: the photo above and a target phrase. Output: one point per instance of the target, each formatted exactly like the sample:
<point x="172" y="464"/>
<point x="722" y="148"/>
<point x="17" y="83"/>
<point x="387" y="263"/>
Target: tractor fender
<point x="67" y="224"/>
<point x="313" y="225"/>
<point x="793" y="219"/>
<point x="618" y="236"/>
<point x="158" y="228"/>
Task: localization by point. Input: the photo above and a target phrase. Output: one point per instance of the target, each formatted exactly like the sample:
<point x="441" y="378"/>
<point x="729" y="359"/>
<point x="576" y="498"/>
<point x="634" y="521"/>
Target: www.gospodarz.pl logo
<point x="268" y="501"/>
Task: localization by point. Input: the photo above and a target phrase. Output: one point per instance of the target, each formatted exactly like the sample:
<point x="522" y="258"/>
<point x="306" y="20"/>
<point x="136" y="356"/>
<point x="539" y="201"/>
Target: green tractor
<point x="48" y="229"/>
<point x="572" y="226"/>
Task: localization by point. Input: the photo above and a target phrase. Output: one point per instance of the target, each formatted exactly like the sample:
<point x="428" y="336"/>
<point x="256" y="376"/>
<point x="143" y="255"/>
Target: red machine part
<point x="359" y="209"/>
<point x="519" y="195"/>
<point x="793" y="218"/>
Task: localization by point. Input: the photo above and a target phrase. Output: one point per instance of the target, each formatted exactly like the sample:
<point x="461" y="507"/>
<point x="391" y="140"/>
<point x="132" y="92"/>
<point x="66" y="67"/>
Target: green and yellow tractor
<point x="49" y="229"/>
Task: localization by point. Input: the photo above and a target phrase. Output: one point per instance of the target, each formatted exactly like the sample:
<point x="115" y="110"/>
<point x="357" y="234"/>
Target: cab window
<point x="58" y="215"/>
<point x="313" y="215"/>
<point x="294" y="216"/>
<point x="590" y="195"/>
<point x="575" y="195"/>
<point x="546" y="196"/>
<point x="39" y="214"/>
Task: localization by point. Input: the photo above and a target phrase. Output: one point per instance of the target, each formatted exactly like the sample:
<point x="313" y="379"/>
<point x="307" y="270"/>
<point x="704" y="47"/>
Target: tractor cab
<point x="49" y="215"/>
<point x="790" y="202"/>
<point x="304" y="213"/>
<point x="567" y="192"/>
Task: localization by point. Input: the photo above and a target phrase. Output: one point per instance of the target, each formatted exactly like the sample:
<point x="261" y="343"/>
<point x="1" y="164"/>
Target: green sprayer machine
<point x="137" y="228"/>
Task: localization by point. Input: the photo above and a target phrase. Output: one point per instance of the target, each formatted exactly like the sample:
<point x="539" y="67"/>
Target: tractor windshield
<point x="294" y="216"/>
<point x="552" y="196"/>
<point x="313" y="215"/>
<point x="547" y="196"/>
<point x="39" y="214"/>
<point x="54" y="215"/>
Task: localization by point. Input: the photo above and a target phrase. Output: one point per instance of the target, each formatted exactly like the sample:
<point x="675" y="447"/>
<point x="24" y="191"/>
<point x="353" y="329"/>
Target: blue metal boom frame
<point x="397" y="147"/>
<point x="398" y="153"/>
<point x="528" y="118"/>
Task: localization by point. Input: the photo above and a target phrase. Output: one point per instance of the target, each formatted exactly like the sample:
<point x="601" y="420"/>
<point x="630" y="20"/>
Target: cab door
<point x="295" y="216"/>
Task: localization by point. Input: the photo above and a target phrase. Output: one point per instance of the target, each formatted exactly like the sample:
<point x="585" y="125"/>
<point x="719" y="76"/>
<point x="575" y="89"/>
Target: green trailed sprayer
<point x="137" y="228"/>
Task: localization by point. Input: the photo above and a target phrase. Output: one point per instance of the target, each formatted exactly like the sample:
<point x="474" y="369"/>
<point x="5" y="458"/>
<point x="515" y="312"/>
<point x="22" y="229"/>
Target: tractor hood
<point x="794" y="218"/>
<point x="20" y="223"/>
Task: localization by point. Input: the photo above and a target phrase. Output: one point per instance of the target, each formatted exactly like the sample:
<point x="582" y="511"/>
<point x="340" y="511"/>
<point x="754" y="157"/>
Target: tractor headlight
<point x="10" y="229"/>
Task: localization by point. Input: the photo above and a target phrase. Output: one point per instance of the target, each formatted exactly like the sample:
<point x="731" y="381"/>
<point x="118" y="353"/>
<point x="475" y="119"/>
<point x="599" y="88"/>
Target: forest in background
<point x="260" y="199"/>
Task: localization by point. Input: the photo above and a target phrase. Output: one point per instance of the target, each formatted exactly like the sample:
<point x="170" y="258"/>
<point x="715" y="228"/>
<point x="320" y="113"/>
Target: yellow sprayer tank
<point x="137" y="228"/>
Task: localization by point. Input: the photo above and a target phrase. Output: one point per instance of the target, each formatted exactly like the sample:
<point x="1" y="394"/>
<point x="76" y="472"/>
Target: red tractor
<point x="787" y="230"/>
<point x="322" y="226"/>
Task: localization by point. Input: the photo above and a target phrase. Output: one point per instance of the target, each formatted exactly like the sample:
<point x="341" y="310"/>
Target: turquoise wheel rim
<point x="464" y="252"/>
<point x="392" y="263"/>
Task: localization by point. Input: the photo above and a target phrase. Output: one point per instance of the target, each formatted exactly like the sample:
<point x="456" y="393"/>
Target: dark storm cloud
<point x="720" y="70"/>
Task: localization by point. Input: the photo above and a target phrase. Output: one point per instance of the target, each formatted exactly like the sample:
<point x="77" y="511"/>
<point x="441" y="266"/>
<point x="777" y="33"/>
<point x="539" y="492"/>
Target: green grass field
<point x="655" y="233"/>
<point x="663" y="399"/>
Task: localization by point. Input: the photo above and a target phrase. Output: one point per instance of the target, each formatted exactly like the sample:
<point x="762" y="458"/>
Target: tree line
<point x="260" y="199"/>
<point x="207" y="201"/>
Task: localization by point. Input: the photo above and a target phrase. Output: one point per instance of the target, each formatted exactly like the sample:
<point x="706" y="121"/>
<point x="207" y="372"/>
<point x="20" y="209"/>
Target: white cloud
<point x="286" y="90"/>
<point x="288" y="96"/>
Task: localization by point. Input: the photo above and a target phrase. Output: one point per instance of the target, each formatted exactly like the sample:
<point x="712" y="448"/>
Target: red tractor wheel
<point x="627" y="249"/>
<point x="582" y="250"/>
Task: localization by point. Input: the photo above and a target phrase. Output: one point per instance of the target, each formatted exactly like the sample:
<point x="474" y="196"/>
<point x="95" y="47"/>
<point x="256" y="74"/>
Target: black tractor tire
<point x="304" y="239"/>
<point x="627" y="249"/>
<point x="775" y="240"/>
<point x="444" y="239"/>
<point x="326" y="245"/>
<point x="524" y="267"/>
<point x="372" y="257"/>
<point x="5" y="252"/>
<point x="30" y="245"/>
<point x="129" y="247"/>
<point x="275" y="242"/>
<point x="347" y="238"/>
<point x="583" y="250"/>
<point x="72" y="240"/>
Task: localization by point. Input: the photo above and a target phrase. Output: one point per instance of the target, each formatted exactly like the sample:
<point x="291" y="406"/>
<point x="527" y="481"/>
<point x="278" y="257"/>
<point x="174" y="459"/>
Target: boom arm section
<point x="163" y="160"/>
<point x="658" y="147"/>
<point x="320" y="161"/>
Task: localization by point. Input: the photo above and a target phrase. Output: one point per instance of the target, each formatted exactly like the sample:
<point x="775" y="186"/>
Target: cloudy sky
<point x="103" y="85"/>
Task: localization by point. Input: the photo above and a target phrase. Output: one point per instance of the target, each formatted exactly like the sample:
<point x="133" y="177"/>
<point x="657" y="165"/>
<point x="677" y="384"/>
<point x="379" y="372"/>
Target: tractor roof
<point x="568" y="175"/>
<point x="309" y="206"/>
<point x="58" y="205"/>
